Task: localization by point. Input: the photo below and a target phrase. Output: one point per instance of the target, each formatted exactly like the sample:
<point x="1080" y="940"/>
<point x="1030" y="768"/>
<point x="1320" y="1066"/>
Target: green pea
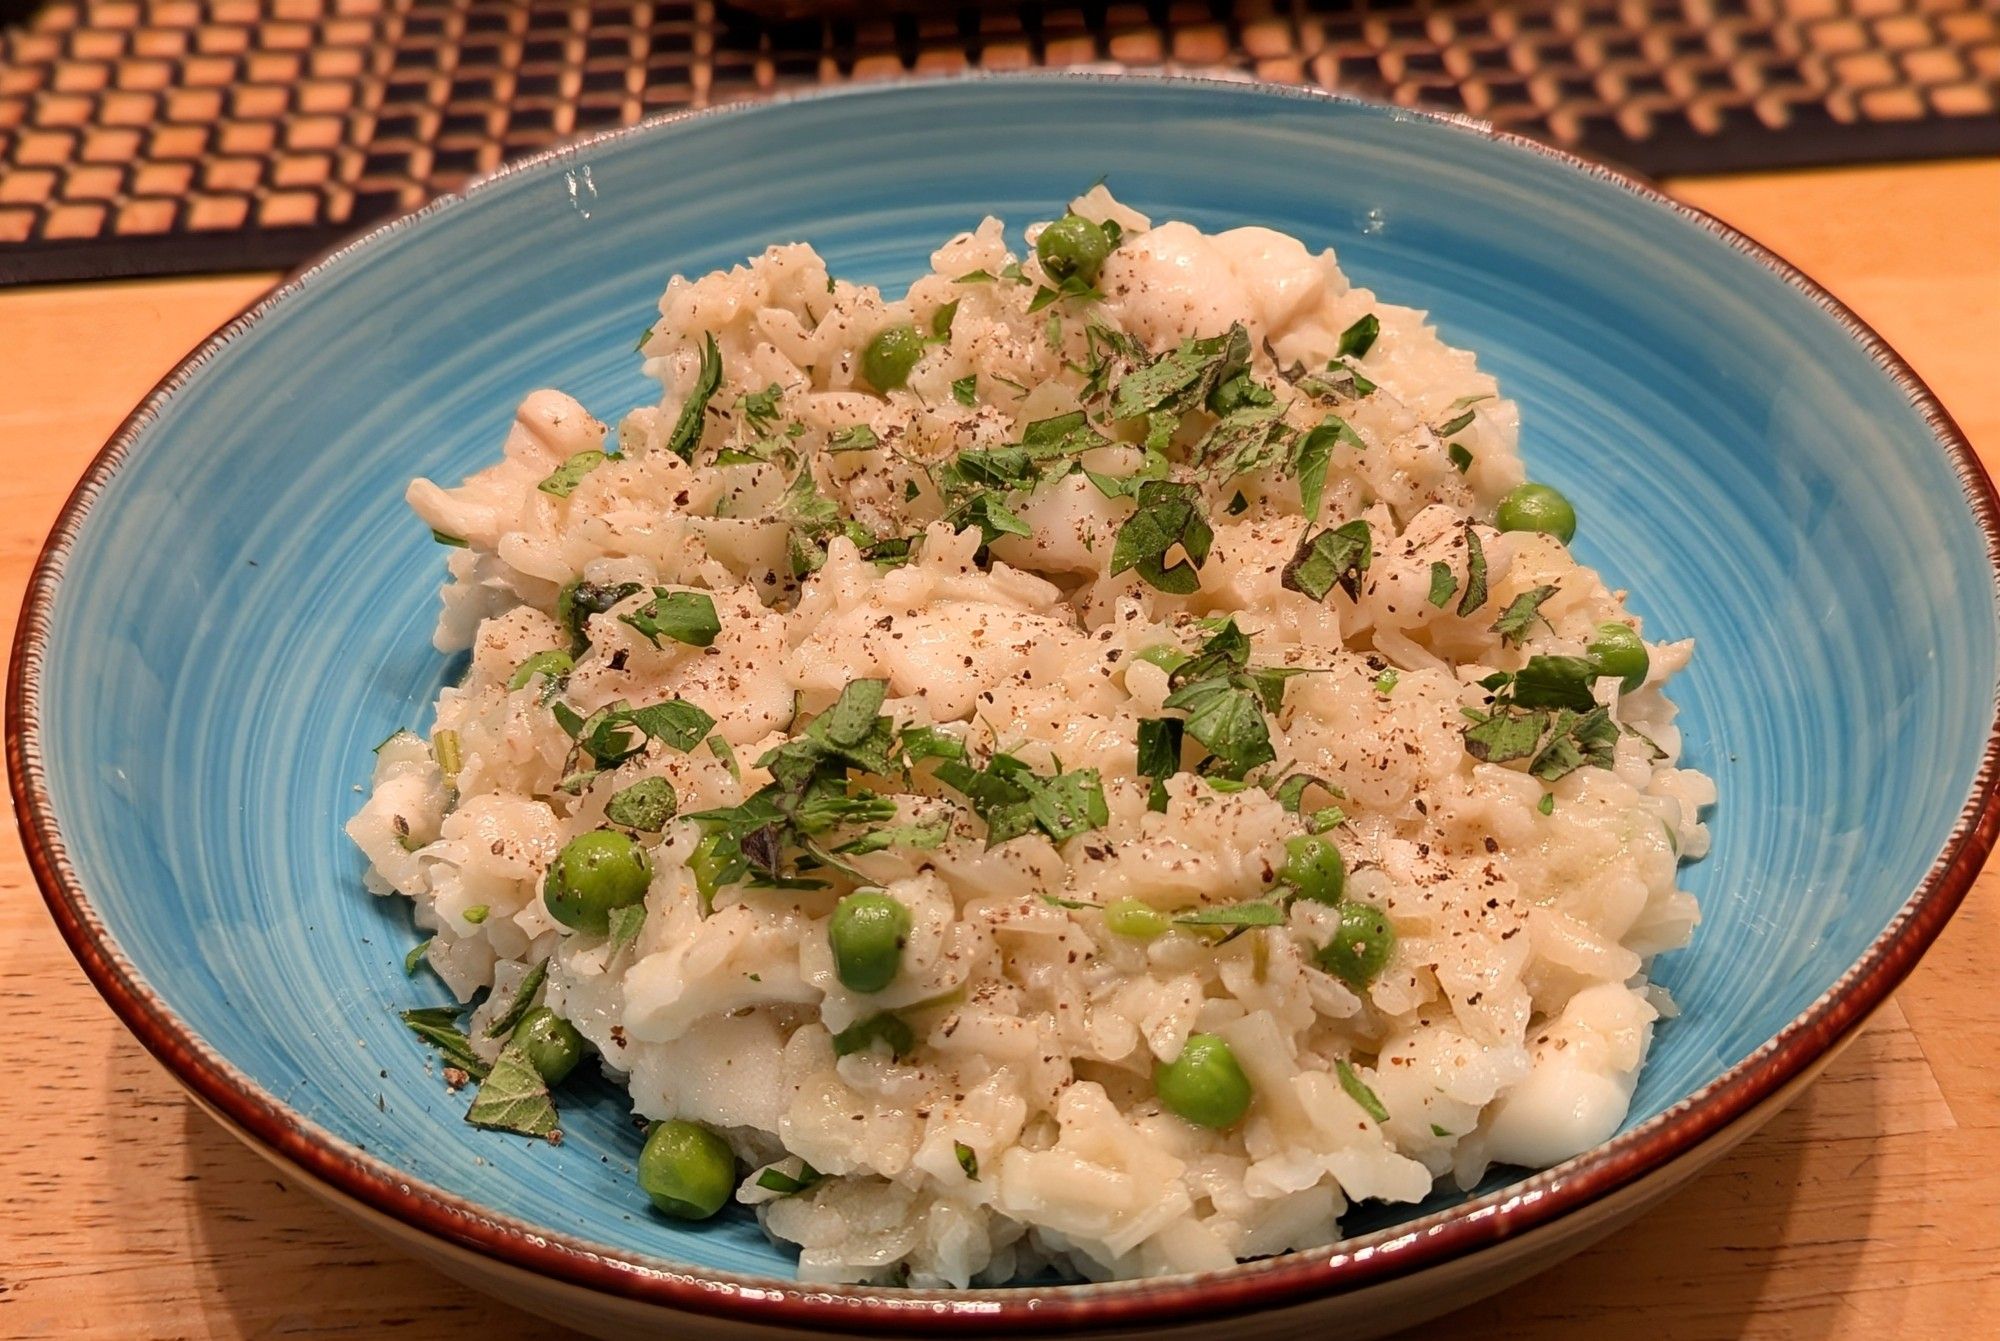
<point x="887" y="361"/>
<point x="552" y="662"/>
<point x="1360" y="949"/>
<point x="1140" y="921"/>
<point x="1313" y="867"/>
<point x="1164" y="655"/>
<point x="551" y="1042"/>
<point x="687" y="1170"/>
<point x="1204" y="1084"/>
<point x="1537" y="507"/>
<point x="868" y="932"/>
<point x="1619" y="651"/>
<point x="595" y="873"/>
<point x="1073" y="245"/>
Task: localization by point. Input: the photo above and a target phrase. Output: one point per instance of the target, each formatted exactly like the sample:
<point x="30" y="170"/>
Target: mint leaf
<point x="685" y="616"/>
<point x="862" y="1035"/>
<point x="513" y="1097"/>
<point x="941" y="320"/>
<point x="454" y="541"/>
<point x="1555" y="682"/>
<point x="1520" y="615"/>
<point x="676" y="723"/>
<point x="1251" y="913"/>
<point x="646" y="805"/>
<point x="436" y="1026"/>
<point x="523" y="999"/>
<point x="1360" y="1093"/>
<point x="965" y="390"/>
<point x="1460" y="458"/>
<point x="1474" y="595"/>
<point x="1443" y="583"/>
<point x="1169" y="514"/>
<point x="968" y="1159"/>
<point x="418" y="956"/>
<point x="1359" y="338"/>
<point x="921" y="836"/>
<point x="854" y="438"/>
<point x="626" y="924"/>
<point x="1337" y="556"/>
<point x="1160" y="755"/>
<point x="1225" y="713"/>
<point x="563" y="480"/>
<point x="686" y="434"/>
<point x="1182" y="380"/>
<point x="579" y="600"/>
<point x="785" y="1184"/>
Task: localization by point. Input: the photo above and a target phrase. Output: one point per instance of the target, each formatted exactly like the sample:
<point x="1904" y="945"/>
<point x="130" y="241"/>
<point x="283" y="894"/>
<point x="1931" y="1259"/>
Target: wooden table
<point x="1870" y="1210"/>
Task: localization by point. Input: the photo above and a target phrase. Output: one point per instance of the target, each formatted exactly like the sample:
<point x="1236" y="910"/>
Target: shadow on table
<point x="279" y="1261"/>
<point x="276" y="1261"/>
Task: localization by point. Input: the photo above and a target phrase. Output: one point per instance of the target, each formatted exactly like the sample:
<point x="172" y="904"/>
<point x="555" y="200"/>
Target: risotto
<point x="1095" y="764"/>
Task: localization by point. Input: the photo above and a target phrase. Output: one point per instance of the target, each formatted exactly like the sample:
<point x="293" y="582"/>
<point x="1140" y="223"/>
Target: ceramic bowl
<point x="235" y="606"/>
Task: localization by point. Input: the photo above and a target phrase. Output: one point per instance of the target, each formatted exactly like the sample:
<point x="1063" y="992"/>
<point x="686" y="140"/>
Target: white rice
<point x="1512" y="1020"/>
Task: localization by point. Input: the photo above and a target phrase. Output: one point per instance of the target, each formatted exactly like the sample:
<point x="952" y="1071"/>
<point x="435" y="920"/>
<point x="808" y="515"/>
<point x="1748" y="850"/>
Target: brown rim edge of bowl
<point x="1531" y="1203"/>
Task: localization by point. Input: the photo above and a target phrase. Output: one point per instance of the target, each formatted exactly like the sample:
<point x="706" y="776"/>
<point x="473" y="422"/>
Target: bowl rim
<point x="1534" y="1202"/>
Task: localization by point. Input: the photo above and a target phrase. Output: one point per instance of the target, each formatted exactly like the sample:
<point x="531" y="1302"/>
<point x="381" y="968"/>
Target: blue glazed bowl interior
<point x="248" y="606"/>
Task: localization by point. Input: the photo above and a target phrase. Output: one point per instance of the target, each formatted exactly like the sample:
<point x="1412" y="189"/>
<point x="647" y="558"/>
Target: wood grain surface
<point x="1870" y="1210"/>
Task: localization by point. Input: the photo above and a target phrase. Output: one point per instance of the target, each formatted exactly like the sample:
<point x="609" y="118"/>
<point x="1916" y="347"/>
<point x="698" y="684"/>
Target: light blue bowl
<point x="236" y="607"/>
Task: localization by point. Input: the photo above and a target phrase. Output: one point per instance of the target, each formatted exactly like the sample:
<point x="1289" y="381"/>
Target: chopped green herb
<point x="1385" y="683"/>
<point x="563" y="481"/>
<point x="436" y="1025"/>
<point x="1169" y="515"/>
<point x="923" y="836"/>
<point x="760" y="408"/>
<point x="785" y="1184"/>
<point x="1292" y="791"/>
<point x="444" y="747"/>
<point x="941" y="320"/>
<point x="1555" y="682"/>
<point x="1460" y="458"/>
<point x="514" y="1097"/>
<point x="910" y="491"/>
<point x="1337" y="556"/>
<point x="1244" y="441"/>
<point x="1013" y="799"/>
<point x="1457" y="424"/>
<point x="968" y="1159"/>
<point x="1474" y="594"/>
<point x="1547" y="805"/>
<point x="965" y="390"/>
<point x="684" y="616"/>
<point x="976" y="277"/>
<point x="861" y="1036"/>
<point x="553" y="664"/>
<point x="1358" y="1091"/>
<point x="523" y="999"/>
<point x="476" y="914"/>
<point x="626" y="923"/>
<point x="1182" y="380"/>
<point x="456" y="542"/>
<point x="856" y="438"/>
<point x="1160" y="755"/>
<point x="927" y="742"/>
<point x="686" y="433"/>
<point x="646" y="335"/>
<point x="1438" y="1131"/>
<point x="1359" y="338"/>
<point x="418" y="956"/>
<point x="1250" y="913"/>
<point x="1332" y="817"/>
<point x="1520" y="615"/>
<point x="1443" y="583"/>
<point x="722" y="750"/>
<point x="646" y="805"/>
